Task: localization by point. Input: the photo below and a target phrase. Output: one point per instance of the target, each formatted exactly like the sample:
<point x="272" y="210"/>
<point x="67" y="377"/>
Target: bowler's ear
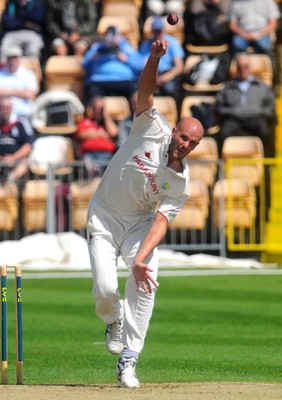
<point x="173" y="130"/>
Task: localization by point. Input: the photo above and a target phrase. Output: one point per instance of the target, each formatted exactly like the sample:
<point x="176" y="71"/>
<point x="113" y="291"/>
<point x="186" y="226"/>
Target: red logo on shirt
<point x="147" y="173"/>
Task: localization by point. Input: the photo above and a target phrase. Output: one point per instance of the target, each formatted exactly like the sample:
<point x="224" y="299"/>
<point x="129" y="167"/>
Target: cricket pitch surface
<point x="163" y="391"/>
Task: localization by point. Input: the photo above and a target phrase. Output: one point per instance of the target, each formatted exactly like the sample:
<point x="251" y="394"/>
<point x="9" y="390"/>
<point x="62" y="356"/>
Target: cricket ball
<point x="172" y="18"/>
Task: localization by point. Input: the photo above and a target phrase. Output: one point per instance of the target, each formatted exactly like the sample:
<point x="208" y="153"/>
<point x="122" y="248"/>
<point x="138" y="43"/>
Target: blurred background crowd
<point x="69" y="69"/>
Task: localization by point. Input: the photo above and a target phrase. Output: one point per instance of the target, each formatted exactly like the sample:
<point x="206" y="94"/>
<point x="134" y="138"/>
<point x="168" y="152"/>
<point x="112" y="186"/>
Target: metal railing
<point x="58" y="201"/>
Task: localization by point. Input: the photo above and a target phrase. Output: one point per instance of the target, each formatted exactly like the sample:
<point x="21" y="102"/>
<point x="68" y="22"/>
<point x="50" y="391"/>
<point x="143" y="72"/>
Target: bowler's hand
<point x="141" y="273"/>
<point x="158" y="48"/>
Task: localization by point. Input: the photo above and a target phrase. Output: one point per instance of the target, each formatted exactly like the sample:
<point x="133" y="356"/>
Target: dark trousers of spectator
<point x="119" y="88"/>
<point x="256" y="126"/>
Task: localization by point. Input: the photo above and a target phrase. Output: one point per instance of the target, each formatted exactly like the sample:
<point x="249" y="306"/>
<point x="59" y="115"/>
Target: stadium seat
<point x="81" y="193"/>
<point x="203" y="160"/>
<point x="192" y="49"/>
<point x="57" y="150"/>
<point x="175" y="30"/>
<point x="194" y="214"/>
<point x="137" y="3"/>
<point x="34" y="201"/>
<point x="198" y="87"/>
<point x="261" y="67"/>
<point x="9" y="206"/>
<point x="249" y="149"/>
<point x="167" y="107"/>
<point x="50" y="97"/>
<point x="117" y="107"/>
<point x="128" y="26"/>
<point x="33" y="63"/>
<point x="121" y="7"/>
<point x="65" y="73"/>
<point x="190" y="101"/>
<point x="234" y="203"/>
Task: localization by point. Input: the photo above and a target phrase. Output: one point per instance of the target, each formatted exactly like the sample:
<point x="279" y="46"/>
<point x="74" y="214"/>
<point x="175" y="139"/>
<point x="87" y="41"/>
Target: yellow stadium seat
<point x="117" y="107"/>
<point x="33" y="64"/>
<point x="167" y="107"/>
<point x="9" y="206"/>
<point x="121" y="7"/>
<point x="234" y="202"/>
<point x="222" y="48"/>
<point x="127" y="25"/>
<point x="203" y="160"/>
<point x="246" y="148"/>
<point x="65" y="73"/>
<point x="261" y="67"/>
<point x="190" y="101"/>
<point x="195" y="213"/>
<point x="137" y="3"/>
<point x="35" y="195"/>
<point x="81" y="193"/>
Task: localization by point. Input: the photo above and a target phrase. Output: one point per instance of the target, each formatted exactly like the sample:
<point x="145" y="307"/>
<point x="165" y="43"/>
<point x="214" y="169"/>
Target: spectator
<point x="206" y="22"/>
<point x="163" y="7"/>
<point x="245" y="105"/>
<point x="71" y="26"/>
<point x="171" y="64"/>
<point x="16" y="138"/>
<point x="112" y="66"/>
<point x="23" y="25"/>
<point x="18" y="82"/>
<point x="253" y="23"/>
<point x="97" y="134"/>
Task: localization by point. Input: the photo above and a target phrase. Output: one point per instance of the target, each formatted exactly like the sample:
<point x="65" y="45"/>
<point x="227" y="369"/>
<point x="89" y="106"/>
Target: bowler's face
<point x="182" y="143"/>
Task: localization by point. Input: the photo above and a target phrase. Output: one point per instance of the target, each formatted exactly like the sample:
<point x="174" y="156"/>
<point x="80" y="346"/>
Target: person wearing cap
<point x="18" y="82"/>
<point x="112" y="66"/>
<point x="70" y="26"/>
<point x="22" y="25"/>
<point x="171" y="64"/>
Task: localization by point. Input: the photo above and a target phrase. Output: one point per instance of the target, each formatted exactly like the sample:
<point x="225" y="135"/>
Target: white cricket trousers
<point x="111" y="235"/>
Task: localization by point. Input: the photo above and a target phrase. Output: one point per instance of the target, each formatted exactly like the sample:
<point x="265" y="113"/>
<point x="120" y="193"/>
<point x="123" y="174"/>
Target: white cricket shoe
<point x="125" y="372"/>
<point x="113" y="337"/>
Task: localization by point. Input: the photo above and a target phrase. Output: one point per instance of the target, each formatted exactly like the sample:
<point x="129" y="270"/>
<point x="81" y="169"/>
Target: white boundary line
<point x="162" y="273"/>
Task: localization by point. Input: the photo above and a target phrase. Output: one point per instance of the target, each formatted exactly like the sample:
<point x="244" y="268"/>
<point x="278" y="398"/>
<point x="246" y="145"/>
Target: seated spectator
<point x="253" y="23"/>
<point x="171" y="64"/>
<point x="206" y="22"/>
<point x="246" y="106"/>
<point x="163" y="7"/>
<point x="18" y="82"/>
<point x="96" y="134"/>
<point x="70" y="26"/>
<point x="112" y="66"/>
<point x="22" y="25"/>
<point x="16" y="138"/>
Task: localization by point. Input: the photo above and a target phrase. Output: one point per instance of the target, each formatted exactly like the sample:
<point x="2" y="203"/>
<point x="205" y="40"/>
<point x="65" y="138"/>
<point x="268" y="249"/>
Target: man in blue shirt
<point x="112" y="67"/>
<point x="171" y="64"/>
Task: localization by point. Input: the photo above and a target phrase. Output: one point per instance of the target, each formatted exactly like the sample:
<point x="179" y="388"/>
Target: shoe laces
<point x="127" y="363"/>
<point x="115" y="330"/>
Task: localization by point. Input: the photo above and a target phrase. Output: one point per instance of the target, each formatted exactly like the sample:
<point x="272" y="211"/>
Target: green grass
<point x="209" y="328"/>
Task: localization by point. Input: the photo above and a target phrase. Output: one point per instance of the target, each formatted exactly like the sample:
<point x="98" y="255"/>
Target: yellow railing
<point x="254" y="215"/>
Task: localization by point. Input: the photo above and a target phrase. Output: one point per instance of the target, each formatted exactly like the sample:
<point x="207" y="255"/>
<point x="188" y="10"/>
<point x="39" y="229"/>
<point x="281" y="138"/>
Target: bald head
<point x="185" y="137"/>
<point x="192" y="126"/>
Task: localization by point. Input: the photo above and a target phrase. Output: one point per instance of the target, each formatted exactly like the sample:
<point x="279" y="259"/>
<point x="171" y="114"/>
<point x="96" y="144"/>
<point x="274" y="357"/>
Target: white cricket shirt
<point x="137" y="179"/>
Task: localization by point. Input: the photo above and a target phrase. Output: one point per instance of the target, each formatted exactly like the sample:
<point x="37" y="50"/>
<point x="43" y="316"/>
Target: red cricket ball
<point x="172" y="18"/>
